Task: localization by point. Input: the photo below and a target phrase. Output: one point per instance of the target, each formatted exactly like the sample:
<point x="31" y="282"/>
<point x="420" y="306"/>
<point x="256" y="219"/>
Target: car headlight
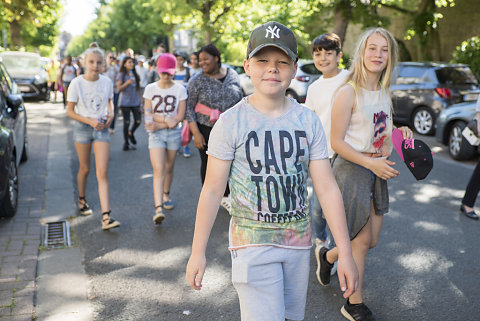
<point x="40" y="79"/>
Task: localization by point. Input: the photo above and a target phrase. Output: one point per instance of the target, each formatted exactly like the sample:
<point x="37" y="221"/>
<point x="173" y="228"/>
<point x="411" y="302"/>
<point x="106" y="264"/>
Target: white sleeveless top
<point x="370" y="128"/>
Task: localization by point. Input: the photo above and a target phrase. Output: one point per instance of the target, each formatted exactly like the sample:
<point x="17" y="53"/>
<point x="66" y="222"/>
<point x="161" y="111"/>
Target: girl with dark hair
<point x="210" y="93"/>
<point x="128" y="85"/>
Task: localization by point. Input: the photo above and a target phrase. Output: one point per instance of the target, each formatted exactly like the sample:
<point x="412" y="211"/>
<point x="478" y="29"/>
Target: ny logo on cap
<point x="274" y="32"/>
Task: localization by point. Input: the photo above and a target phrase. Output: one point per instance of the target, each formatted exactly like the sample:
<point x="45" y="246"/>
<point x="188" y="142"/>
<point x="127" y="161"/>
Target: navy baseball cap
<point x="273" y="34"/>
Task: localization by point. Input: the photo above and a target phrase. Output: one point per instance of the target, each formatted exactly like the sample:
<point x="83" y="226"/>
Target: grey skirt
<point x="359" y="187"/>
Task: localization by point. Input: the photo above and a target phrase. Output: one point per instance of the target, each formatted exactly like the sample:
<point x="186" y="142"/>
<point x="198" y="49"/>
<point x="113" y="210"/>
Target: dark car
<point x="13" y="141"/>
<point x="449" y="126"/>
<point x="421" y="90"/>
<point x="28" y="72"/>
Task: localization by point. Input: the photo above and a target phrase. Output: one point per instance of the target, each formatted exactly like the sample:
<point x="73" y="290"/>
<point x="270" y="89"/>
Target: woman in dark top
<point x="211" y="92"/>
<point x="129" y="100"/>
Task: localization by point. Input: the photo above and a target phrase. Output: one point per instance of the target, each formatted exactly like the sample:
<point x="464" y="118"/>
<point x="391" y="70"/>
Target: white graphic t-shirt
<point x="165" y="101"/>
<point x="268" y="175"/>
<point x="91" y="96"/>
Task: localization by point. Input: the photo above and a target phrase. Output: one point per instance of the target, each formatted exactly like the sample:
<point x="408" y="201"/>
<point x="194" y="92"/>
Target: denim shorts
<point x="271" y="282"/>
<point x="86" y="134"/>
<point x="165" y="138"/>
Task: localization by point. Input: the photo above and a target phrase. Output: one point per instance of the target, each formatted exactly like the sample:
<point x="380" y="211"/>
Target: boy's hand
<point x="195" y="270"/>
<point x="347" y="275"/>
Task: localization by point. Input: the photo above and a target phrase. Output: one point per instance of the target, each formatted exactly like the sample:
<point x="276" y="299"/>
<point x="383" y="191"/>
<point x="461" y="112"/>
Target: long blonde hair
<point x="358" y="73"/>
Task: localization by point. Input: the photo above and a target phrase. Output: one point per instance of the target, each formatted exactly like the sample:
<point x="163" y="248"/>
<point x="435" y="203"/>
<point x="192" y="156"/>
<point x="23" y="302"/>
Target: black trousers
<point x="205" y="131"/>
<point x="473" y="187"/>
<point x="126" y="120"/>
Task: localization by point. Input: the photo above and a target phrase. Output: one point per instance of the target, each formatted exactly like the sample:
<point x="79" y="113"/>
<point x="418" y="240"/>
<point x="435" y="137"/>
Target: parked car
<point x="421" y="90"/>
<point x="449" y="126"/>
<point x="13" y="141"/>
<point x="306" y="74"/>
<point x="27" y="70"/>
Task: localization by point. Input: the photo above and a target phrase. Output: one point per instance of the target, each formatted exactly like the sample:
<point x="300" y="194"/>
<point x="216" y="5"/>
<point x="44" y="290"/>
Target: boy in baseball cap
<point x="265" y="146"/>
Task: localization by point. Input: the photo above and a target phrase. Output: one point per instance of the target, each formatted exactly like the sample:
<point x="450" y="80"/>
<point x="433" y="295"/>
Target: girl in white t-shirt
<point x="361" y="136"/>
<point x="90" y="105"/>
<point x="165" y="103"/>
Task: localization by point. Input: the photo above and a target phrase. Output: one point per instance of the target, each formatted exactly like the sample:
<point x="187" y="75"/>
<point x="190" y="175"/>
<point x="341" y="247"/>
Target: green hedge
<point x="469" y="53"/>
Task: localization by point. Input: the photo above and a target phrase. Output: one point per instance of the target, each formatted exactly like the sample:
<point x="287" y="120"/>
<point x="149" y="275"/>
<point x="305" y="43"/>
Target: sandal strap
<point x="106" y="213"/>
<point x="161" y="205"/>
<point x="166" y="193"/>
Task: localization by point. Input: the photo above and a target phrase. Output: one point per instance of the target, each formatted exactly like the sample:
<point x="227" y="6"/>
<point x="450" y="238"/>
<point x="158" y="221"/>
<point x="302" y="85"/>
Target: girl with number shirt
<point x="90" y="105"/>
<point x="165" y="103"/>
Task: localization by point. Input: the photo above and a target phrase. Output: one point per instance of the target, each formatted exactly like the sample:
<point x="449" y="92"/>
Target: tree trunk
<point x="341" y="18"/>
<point x="15" y="34"/>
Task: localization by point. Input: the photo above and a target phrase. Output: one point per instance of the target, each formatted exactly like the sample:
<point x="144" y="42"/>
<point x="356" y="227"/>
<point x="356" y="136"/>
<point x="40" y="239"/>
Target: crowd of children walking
<point x="256" y="154"/>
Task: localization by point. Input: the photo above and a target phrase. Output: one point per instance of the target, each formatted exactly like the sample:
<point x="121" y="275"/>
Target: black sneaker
<point x="357" y="312"/>
<point x="125" y="146"/>
<point x="324" y="267"/>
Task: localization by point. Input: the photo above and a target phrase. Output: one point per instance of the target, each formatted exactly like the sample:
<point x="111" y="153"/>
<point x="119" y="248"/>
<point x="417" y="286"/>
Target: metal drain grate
<point x="57" y="234"/>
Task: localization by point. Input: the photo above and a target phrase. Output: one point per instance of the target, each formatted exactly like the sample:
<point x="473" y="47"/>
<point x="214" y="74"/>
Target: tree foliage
<point x="31" y="24"/>
<point x="139" y="24"/>
<point x="468" y="52"/>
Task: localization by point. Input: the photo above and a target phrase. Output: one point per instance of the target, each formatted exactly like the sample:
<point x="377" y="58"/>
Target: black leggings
<point x="473" y="187"/>
<point x="126" y="120"/>
<point x="205" y="131"/>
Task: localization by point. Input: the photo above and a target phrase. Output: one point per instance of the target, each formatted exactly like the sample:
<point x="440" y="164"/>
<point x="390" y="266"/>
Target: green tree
<point x="30" y="23"/>
<point x="468" y="52"/>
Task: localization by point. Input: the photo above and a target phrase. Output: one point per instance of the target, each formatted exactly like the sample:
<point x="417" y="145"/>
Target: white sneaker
<point x="226" y="203"/>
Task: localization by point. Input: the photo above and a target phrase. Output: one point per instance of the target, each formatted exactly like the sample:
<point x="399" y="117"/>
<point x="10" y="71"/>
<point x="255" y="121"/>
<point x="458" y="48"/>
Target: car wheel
<point x="423" y="121"/>
<point x="458" y="147"/>
<point x="291" y="94"/>
<point x="46" y="96"/>
<point x="24" y="156"/>
<point x="8" y="206"/>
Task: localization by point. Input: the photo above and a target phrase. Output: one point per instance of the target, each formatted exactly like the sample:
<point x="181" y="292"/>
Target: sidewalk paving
<point x="51" y="284"/>
<point x="20" y="235"/>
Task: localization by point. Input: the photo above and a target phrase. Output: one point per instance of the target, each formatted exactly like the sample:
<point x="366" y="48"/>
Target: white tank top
<point x="370" y="128"/>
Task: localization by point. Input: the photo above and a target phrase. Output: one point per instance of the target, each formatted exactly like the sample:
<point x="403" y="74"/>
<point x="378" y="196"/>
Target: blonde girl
<point x="165" y="103"/>
<point x="361" y="136"/>
<point x="90" y="105"/>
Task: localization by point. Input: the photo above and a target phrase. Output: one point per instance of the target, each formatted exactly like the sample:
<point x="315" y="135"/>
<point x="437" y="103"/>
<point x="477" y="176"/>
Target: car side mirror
<point x="14" y="101"/>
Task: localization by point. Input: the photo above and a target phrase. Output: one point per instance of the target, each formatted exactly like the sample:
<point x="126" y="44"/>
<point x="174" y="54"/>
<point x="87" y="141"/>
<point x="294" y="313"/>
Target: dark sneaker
<point x="126" y="147"/>
<point x="324" y="268"/>
<point x="357" y="312"/>
<point x="132" y="138"/>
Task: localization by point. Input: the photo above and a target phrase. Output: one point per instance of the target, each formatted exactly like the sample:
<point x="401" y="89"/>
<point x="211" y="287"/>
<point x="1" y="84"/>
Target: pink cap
<point x="167" y="63"/>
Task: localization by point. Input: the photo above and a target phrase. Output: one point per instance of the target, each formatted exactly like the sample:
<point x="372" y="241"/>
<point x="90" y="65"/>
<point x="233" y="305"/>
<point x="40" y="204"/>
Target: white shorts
<point x="271" y="282"/>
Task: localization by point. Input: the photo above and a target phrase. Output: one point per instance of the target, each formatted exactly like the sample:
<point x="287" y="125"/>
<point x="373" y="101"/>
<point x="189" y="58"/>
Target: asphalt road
<point x="424" y="268"/>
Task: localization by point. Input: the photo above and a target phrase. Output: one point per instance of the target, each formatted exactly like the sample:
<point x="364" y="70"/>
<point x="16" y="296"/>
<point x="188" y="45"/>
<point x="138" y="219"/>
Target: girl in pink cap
<point x="165" y="103"/>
